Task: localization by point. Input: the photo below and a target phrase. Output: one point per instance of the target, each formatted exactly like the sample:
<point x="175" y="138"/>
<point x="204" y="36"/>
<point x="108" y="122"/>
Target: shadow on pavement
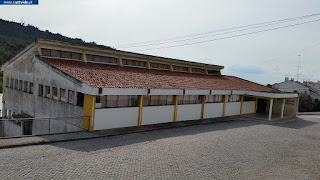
<point x="154" y="135"/>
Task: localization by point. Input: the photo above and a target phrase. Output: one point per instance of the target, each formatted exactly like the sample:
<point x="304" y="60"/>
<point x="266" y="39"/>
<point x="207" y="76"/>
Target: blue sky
<point x="264" y="58"/>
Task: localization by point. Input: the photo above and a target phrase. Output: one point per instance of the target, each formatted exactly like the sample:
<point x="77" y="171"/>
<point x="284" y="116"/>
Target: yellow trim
<point x="89" y="106"/>
<point x="255" y="105"/>
<point x="120" y="61"/>
<point x="224" y="105"/>
<point x="175" y="113"/>
<point x="241" y="105"/>
<point x="202" y="106"/>
<point x="140" y="110"/>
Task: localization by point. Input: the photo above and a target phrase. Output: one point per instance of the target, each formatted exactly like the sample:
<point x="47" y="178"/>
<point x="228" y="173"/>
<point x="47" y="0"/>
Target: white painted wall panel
<point x="212" y="110"/>
<point x="248" y="107"/>
<point x="189" y="112"/>
<point x="157" y="114"/>
<point x="232" y="108"/>
<point x="115" y="118"/>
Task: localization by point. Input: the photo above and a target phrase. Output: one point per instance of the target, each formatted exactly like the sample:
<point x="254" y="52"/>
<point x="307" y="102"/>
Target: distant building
<point x="122" y="89"/>
<point x="306" y="87"/>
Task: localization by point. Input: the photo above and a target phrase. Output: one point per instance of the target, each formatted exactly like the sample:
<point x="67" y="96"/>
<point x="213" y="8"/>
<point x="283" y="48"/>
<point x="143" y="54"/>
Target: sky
<point x="266" y="57"/>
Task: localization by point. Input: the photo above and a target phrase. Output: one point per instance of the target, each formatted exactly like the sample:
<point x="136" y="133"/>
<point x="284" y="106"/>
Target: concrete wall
<point x="232" y="108"/>
<point x="189" y="112"/>
<point x="212" y="110"/>
<point x="290" y="108"/>
<point x="12" y="129"/>
<point x="248" y="107"/>
<point x="29" y="68"/>
<point x="115" y="117"/>
<point x="157" y="114"/>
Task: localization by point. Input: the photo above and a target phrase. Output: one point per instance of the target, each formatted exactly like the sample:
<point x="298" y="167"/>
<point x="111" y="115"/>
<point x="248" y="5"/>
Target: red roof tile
<point x="113" y="76"/>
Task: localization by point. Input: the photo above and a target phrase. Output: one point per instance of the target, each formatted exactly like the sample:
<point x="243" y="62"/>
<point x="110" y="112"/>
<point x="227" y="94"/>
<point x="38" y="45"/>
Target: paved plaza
<point x="225" y="150"/>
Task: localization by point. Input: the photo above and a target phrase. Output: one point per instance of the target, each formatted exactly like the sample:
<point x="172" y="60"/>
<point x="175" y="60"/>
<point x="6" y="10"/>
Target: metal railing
<point x="42" y="126"/>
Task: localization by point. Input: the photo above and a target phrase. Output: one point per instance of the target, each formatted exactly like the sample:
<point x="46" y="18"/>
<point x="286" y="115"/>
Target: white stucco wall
<point x="115" y="118"/>
<point x="291" y="86"/>
<point x="248" y="107"/>
<point x="232" y="108"/>
<point x="157" y="114"/>
<point x="212" y="110"/>
<point x="189" y="112"/>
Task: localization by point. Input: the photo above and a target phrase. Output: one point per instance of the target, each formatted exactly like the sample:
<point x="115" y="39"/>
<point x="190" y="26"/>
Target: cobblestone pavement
<point x="226" y="150"/>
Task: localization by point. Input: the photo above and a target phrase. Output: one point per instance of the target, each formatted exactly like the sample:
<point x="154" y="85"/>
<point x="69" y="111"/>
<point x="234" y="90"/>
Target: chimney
<point x="286" y="79"/>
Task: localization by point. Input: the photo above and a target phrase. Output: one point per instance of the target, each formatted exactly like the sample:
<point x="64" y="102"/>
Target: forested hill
<point x="16" y="36"/>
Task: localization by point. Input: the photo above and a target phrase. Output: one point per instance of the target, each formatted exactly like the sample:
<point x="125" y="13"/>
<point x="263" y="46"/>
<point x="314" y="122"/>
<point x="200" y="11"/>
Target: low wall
<point x="248" y="107"/>
<point x="109" y="118"/>
<point x="157" y="114"/>
<point x="189" y="112"/>
<point x="11" y="129"/>
<point x="232" y="108"/>
<point x="212" y="110"/>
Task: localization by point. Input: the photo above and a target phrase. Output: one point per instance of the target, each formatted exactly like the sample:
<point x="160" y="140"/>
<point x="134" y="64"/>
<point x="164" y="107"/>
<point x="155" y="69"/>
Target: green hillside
<point x="16" y="36"/>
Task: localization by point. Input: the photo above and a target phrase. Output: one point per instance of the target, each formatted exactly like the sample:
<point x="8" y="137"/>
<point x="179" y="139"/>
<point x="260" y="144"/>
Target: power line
<point x="257" y="25"/>
<point x="295" y="52"/>
<point x="229" y="37"/>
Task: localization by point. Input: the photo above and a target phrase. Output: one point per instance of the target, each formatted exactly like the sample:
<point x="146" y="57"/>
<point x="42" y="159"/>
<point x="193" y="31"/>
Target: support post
<point x="270" y="109"/>
<point x="282" y="108"/>
<point x="202" y="106"/>
<point x="224" y="105"/>
<point x="140" y="110"/>
<point x="175" y="112"/>
<point x="241" y="105"/>
<point x="89" y="107"/>
<point x="255" y="105"/>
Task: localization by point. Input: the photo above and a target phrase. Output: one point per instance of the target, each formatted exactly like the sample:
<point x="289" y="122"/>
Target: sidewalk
<point x="11" y="142"/>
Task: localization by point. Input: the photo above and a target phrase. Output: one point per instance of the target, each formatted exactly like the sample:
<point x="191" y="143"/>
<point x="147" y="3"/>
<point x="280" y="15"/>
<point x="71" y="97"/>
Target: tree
<point x="305" y="103"/>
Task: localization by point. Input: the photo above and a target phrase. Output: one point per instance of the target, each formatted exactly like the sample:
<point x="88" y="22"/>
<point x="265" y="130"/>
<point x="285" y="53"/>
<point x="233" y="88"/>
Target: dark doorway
<point x="80" y="99"/>
<point x="261" y="105"/>
<point x="27" y="127"/>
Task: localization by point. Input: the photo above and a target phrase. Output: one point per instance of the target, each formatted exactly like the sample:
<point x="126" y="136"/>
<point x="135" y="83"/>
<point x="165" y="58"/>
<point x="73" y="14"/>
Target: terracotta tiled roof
<point x="113" y="76"/>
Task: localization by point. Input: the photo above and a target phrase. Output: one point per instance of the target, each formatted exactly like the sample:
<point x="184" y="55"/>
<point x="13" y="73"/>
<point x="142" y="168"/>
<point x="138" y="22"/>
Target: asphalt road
<point x="225" y="150"/>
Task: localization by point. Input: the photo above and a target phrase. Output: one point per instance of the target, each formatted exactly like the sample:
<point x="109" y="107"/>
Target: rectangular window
<point x="55" y="53"/>
<point x="112" y="101"/>
<point x="20" y="85"/>
<point x="129" y="62"/>
<point x="11" y="83"/>
<point x="40" y="90"/>
<point x="80" y="99"/>
<point x="31" y="88"/>
<point x="123" y="101"/>
<point x="66" y="54"/>
<point x="180" y="68"/>
<point x="159" y="66"/>
<point x="25" y="87"/>
<point x="76" y="56"/>
<point x="98" y="102"/>
<point x="71" y="97"/>
<point x="63" y="95"/>
<point x="55" y="93"/>
<point x="45" y="52"/>
<point x="16" y="84"/>
<point x="234" y="98"/>
<point x="47" y="92"/>
<point x="133" y="101"/>
<point x="8" y="82"/>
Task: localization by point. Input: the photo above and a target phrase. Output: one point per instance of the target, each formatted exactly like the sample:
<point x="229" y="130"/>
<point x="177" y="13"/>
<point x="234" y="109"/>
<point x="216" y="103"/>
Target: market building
<point x="123" y="89"/>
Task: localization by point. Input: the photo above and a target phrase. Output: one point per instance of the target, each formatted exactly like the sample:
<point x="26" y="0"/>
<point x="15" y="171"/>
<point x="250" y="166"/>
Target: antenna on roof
<point x="298" y="68"/>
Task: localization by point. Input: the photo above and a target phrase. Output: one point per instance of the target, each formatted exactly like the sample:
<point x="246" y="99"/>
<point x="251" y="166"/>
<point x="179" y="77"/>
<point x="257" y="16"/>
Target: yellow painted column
<point x="202" y="106"/>
<point x="140" y="110"/>
<point x="89" y="107"/>
<point x="175" y="112"/>
<point x="255" y="105"/>
<point x="224" y="105"/>
<point x="241" y="105"/>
